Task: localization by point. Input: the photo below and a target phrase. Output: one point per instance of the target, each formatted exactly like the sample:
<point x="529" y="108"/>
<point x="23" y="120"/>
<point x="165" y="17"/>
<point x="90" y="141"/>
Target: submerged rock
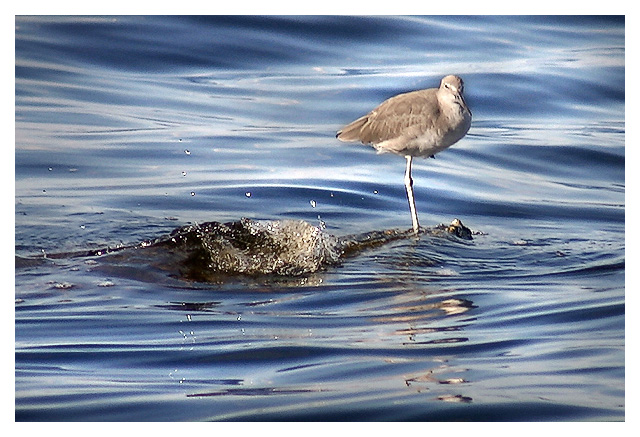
<point x="213" y="251"/>
<point x="456" y="228"/>
<point x="284" y="248"/>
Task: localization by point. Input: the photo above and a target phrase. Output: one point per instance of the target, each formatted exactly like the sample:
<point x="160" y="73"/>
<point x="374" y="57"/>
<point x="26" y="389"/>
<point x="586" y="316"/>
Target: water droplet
<point x="184" y="173"/>
<point x="313" y="203"/>
<point x="248" y="194"/>
<point x="187" y="151"/>
<point x="322" y="225"/>
<point x="193" y="193"/>
<point x="50" y="169"/>
<point x="375" y="191"/>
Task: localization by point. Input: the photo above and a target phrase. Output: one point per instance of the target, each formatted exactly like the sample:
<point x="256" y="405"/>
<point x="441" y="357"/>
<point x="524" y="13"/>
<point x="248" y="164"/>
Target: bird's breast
<point x="440" y="136"/>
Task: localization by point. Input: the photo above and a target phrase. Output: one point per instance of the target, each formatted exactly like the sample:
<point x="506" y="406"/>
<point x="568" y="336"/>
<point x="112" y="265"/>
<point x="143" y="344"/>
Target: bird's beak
<point x="463" y="103"/>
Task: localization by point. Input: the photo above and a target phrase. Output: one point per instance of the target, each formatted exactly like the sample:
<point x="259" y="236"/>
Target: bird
<point x="414" y="124"/>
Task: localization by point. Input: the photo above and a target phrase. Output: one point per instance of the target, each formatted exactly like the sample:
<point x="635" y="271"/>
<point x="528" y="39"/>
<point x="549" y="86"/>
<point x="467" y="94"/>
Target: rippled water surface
<point x="128" y="128"/>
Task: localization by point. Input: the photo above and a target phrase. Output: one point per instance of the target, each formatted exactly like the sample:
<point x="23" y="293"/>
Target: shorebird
<point x="419" y="123"/>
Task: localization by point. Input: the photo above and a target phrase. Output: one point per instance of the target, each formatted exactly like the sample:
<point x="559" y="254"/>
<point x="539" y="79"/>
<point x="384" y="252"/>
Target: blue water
<point x="130" y="127"/>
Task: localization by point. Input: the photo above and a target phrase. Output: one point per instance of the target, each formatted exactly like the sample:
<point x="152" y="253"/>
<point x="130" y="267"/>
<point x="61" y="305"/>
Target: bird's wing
<point x="394" y="118"/>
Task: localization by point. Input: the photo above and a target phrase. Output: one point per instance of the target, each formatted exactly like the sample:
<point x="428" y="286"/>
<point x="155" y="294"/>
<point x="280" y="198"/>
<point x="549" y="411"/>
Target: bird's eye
<point x="447" y="86"/>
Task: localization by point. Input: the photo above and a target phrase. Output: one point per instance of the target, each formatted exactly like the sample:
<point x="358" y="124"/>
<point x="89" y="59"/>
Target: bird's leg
<point x="408" y="183"/>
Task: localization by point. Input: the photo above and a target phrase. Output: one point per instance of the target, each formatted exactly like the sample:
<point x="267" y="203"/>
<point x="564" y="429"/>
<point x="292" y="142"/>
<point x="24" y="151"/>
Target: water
<point x="128" y="128"/>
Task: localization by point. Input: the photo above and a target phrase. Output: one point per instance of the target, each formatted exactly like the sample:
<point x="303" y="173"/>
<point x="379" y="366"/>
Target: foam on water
<point x="249" y="247"/>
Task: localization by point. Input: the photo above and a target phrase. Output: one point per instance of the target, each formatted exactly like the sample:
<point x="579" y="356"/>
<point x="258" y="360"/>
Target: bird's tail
<point x="352" y="131"/>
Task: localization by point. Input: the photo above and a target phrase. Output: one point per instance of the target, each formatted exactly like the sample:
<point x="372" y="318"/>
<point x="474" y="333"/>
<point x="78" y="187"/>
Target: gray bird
<point x="418" y="123"/>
